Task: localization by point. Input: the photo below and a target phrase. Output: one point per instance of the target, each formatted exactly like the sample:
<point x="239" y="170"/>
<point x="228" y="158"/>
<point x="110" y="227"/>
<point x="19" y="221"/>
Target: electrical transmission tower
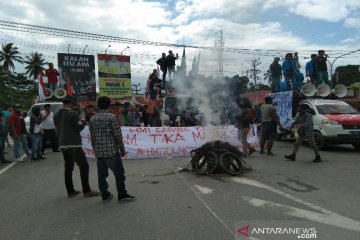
<point x="135" y="89"/>
<point x="254" y="71"/>
<point x="219" y="48"/>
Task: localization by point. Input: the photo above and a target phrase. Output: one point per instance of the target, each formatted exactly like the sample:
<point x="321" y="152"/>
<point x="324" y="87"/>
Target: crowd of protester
<point x="290" y="70"/>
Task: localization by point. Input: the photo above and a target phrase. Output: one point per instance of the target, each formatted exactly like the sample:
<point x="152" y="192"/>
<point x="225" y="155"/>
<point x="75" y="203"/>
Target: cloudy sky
<point x="251" y="29"/>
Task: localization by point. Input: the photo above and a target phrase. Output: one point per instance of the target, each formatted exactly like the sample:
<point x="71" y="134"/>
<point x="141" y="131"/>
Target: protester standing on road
<point x="90" y="111"/>
<point x="305" y="129"/>
<point x="117" y="111"/>
<point x="48" y="128"/>
<point x="269" y="121"/>
<point x="243" y="121"/>
<point x="18" y="132"/>
<point x="3" y="134"/>
<point x="68" y="125"/>
<point x="36" y="135"/>
<point x="6" y="115"/>
<point x="106" y="140"/>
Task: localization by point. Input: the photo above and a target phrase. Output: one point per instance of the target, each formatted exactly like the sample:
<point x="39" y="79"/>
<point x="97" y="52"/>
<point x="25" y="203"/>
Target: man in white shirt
<point x="48" y="127"/>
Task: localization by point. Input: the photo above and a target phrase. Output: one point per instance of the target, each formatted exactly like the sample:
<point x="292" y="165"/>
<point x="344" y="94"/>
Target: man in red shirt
<point x="52" y="76"/>
<point x="18" y="132"/>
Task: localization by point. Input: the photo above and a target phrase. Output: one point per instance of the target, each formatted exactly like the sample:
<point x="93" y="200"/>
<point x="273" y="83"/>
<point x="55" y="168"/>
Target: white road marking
<point x="326" y="217"/>
<point x="197" y="195"/>
<point x="204" y="190"/>
<point x="7" y="167"/>
<point x="11" y="165"/>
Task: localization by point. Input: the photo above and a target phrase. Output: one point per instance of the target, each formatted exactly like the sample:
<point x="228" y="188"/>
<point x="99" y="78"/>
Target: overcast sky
<point x="288" y="25"/>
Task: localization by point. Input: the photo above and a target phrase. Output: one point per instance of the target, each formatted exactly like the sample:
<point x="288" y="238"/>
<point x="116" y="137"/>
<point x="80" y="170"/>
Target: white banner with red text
<point x="159" y="142"/>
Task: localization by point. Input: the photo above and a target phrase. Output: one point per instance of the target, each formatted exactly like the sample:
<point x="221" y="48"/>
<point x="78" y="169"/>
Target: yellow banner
<point x="114" y="76"/>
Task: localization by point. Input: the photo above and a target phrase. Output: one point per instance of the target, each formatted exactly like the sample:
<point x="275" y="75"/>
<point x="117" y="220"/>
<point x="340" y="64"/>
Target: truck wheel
<point x="319" y="140"/>
<point x="356" y="146"/>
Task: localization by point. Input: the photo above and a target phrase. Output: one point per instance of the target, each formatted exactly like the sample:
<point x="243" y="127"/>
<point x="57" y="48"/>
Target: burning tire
<point x="231" y="163"/>
<point x="204" y="163"/>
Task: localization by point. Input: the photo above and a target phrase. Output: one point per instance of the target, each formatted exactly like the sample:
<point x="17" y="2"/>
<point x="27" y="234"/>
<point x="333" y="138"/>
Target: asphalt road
<point x="182" y="205"/>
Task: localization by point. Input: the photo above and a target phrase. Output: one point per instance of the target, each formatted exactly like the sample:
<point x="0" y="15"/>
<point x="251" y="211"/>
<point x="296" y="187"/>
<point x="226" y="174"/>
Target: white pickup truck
<point x="335" y="122"/>
<point x="55" y="106"/>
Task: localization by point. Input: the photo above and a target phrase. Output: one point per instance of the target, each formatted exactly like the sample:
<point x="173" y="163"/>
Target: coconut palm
<point x="9" y="54"/>
<point x="35" y="63"/>
<point x="267" y="76"/>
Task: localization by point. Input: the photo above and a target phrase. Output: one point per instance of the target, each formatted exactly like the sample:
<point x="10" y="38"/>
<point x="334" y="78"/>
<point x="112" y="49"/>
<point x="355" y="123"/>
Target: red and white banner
<point x="159" y="142"/>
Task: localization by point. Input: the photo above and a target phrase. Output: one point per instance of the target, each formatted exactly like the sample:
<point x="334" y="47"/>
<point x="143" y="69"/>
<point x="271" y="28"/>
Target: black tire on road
<point x="231" y="163"/>
<point x="209" y="161"/>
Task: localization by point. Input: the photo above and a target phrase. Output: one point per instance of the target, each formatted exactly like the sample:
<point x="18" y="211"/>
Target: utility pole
<point x="135" y="89"/>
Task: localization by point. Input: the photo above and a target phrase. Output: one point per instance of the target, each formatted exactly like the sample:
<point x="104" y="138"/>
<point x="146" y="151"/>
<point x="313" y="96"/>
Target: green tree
<point x="15" y="88"/>
<point x="35" y="64"/>
<point x="346" y="75"/>
<point x="8" y="55"/>
<point x="267" y="76"/>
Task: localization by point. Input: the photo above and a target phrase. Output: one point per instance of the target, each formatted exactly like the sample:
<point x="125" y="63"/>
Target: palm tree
<point x="267" y="76"/>
<point x="9" y="54"/>
<point x="35" y="63"/>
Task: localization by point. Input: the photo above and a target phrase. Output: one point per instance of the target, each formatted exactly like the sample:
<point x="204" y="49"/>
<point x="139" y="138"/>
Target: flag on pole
<point x="69" y="91"/>
<point x="42" y="95"/>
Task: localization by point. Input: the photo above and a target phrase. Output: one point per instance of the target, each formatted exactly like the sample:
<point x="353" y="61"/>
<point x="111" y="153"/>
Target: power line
<point x="35" y="29"/>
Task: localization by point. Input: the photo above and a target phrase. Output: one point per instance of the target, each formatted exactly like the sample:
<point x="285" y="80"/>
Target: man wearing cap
<point x="305" y="128"/>
<point x="18" y="132"/>
<point x="276" y="74"/>
<point x="68" y="126"/>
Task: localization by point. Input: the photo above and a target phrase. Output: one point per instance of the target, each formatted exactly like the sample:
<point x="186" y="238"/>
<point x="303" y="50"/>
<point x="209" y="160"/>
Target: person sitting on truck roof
<point x="304" y="120"/>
